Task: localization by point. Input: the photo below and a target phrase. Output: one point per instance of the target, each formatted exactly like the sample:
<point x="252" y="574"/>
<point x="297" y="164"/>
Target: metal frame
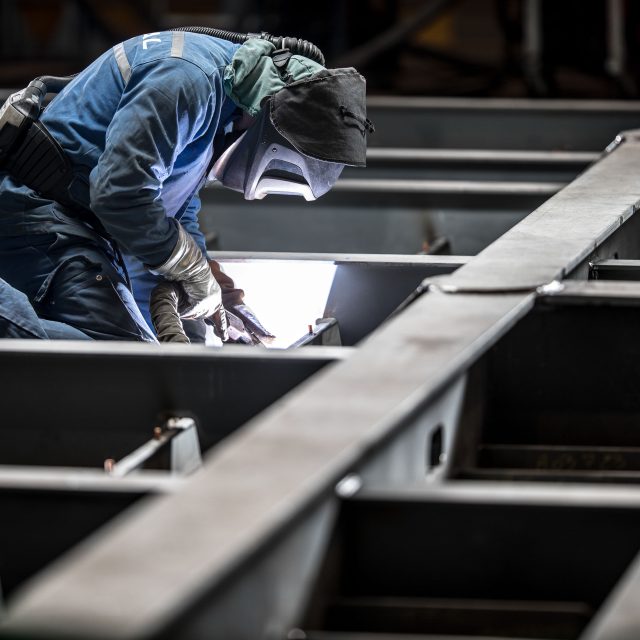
<point x="255" y="523"/>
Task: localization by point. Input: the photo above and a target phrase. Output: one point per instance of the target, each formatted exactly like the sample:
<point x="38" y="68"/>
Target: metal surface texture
<point x="407" y="219"/>
<point x="536" y="405"/>
<point x="468" y="470"/>
<point x="472" y="165"/>
<point x="497" y="123"/>
<point x="110" y="420"/>
<point x="46" y="511"/>
<point x="308" y="445"/>
<point x="562" y="232"/>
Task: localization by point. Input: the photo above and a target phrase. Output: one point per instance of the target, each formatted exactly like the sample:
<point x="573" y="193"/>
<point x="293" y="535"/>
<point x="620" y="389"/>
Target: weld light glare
<point x="286" y="295"/>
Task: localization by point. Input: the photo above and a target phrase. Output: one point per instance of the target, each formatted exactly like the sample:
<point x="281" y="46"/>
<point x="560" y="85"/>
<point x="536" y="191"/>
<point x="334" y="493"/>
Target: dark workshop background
<point x="504" y="48"/>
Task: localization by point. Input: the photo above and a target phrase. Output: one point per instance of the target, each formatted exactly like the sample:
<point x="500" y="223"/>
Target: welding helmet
<point x="302" y="137"/>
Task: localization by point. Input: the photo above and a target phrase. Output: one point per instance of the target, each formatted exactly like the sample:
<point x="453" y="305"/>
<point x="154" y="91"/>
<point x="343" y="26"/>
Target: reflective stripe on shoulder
<point x="177" y="44"/>
<point x="122" y="61"/>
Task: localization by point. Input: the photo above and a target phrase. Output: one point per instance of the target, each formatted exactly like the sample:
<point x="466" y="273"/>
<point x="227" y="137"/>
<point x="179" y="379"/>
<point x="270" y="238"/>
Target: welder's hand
<point x="164" y="304"/>
<point x="220" y="322"/>
<point x="251" y="327"/>
<point x="244" y="326"/>
<point x="189" y="267"/>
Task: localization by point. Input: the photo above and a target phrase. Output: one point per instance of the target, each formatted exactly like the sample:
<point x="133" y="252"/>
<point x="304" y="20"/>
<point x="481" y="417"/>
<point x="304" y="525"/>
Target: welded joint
<point x="180" y="423"/>
<point x="348" y="486"/>
<point x="439" y="287"/>
<point x="552" y="288"/>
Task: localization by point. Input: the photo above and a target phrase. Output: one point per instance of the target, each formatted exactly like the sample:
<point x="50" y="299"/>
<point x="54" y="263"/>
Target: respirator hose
<point x="295" y="45"/>
<point x="40" y="86"/>
<point x="54" y="84"/>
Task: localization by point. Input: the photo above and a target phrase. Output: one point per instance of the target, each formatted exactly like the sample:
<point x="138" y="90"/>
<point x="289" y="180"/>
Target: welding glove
<point x="244" y="326"/>
<point x="189" y="267"/>
<point x="166" y="300"/>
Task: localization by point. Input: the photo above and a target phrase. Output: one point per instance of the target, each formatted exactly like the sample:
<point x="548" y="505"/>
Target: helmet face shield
<point x="262" y="162"/>
<point x="301" y="139"/>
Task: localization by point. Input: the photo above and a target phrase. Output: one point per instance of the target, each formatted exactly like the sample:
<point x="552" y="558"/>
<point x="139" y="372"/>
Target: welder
<point x="99" y="191"/>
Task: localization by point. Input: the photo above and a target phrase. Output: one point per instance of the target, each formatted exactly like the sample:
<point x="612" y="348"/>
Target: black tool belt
<point x="40" y="163"/>
<point x="31" y="155"/>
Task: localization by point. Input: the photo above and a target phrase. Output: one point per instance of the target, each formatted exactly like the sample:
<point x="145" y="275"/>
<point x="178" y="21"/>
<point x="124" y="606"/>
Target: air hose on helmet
<point x="23" y="108"/>
<point x="295" y="45"/>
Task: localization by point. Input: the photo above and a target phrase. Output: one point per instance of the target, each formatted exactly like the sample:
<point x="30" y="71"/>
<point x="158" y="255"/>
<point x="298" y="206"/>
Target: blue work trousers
<point x="19" y="320"/>
<point x="76" y="280"/>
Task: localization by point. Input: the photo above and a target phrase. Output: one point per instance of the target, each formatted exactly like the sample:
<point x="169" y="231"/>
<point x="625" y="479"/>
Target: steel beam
<point x="132" y="389"/>
<point x="498" y="123"/>
<point x="46" y="511"/>
<point x="472" y="561"/>
<point x="356" y="219"/>
<point x="308" y="445"/>
<point x="615" y="270"/>
<point x="563" y="232"/>
<point x="472" y="165"/>
<point x="539" y="407"/>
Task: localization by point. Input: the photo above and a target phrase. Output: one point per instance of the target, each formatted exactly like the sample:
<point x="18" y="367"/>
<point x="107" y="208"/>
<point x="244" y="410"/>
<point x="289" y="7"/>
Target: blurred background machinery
<point x="427" y="47"/>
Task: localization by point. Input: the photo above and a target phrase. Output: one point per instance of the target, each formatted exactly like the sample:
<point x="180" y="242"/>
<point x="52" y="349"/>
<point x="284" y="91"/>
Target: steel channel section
<point x="365" y="289"/>
<point x="500" y="124"/>
<point x="306" y="444"/>
<point x="508" y="124"/>
<point x="110" y="421"/>
<point x="357" y="218"/>
<point x="67" y="427"/>
<point x="473" y="560"/>
<point x="472" y="165"/>
<point x="46" y="511"/>
<point x="539" y="406"/>
<point x="612" y="269"/>
<point x="562" y="233"/>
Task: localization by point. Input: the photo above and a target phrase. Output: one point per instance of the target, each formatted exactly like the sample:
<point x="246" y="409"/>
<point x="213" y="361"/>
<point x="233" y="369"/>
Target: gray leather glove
<point x="166" y="299"/>
<point x="244" y="326"/>
<point x="189" y="267"/>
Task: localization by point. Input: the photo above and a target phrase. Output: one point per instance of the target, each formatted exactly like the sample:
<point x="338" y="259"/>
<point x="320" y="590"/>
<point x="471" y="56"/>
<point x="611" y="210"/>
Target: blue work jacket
<point x="138" y="125"/>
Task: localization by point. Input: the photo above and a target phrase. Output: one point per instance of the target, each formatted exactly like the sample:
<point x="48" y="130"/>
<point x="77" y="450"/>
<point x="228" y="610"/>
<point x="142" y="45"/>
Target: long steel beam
<point x="129" y="389"/>
<point x="404" y="217"/>
<point x="508" y="124"/>
<point x="46" y="511"/>
<point x="472" y="165"/>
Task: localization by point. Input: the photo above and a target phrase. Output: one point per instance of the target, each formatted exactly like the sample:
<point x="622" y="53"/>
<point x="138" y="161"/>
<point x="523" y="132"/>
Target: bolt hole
<point x="434" y="450"/>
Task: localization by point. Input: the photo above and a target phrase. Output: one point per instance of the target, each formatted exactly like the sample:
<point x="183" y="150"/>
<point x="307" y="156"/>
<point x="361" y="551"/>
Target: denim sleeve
<point x="189" y="220"/>
<point x="166" y="104"/>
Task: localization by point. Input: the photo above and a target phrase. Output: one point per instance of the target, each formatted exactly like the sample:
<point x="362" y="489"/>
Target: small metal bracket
<point x="174" y="447"/>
